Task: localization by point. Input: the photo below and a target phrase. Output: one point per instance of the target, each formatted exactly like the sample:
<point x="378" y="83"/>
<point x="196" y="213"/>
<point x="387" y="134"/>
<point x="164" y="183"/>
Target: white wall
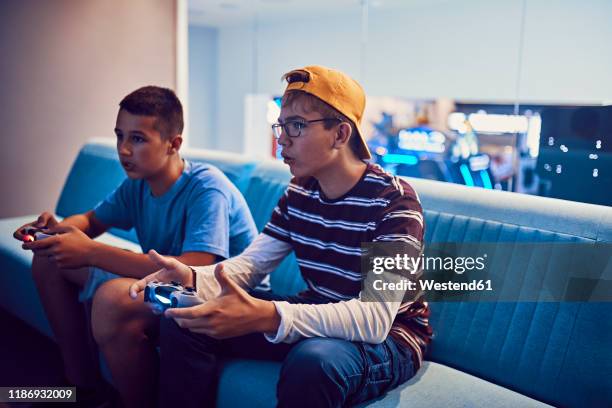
<point x="458" y="49"/>
<point x="466" y="49"/>
<point x="280" y="47"/>
<point x="235" y="79"/>
<point x="203" y="59"/>
<point x="65" y="66"/>
<point x="568" y="51"/>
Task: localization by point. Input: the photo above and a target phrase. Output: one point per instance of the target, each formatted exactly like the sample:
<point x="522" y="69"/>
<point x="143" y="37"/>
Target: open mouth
<point x="288" y="160"/>
<point x="128" y="166"/>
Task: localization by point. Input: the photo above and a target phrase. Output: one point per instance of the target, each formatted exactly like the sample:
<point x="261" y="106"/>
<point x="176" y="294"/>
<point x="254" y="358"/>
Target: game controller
<point x="170" y="295"/>
<point x="32" y="234"/>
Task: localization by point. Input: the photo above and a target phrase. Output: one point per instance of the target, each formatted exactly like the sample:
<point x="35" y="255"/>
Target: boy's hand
<point x="70" y="248"/>
<point x="170" y="270"/>
<point x="45" y="220"/>
<point x="233" y="313"/>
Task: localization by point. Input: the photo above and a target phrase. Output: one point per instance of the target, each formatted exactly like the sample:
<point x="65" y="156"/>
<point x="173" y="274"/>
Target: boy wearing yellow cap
<point x="335" y="348"/>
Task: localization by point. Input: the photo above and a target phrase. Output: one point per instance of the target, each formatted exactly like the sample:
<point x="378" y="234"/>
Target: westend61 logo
<point x="418" y="273"/>
<point x="396" y="271"/>
<point x="404" y="262"/>
<point x="487" y="271"/>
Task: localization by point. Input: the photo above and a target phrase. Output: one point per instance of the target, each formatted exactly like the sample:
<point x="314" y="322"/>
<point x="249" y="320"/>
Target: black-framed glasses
<point x="294" y="128"/>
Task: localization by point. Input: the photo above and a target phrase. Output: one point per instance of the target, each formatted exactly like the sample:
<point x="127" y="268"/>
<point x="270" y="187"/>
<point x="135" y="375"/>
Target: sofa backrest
<point x="95" y="173"/>
<point x="268" y="183"/>
<point x="534" y="348"/>
<point x="557" y="352"/>
<point x="237" y="168"/>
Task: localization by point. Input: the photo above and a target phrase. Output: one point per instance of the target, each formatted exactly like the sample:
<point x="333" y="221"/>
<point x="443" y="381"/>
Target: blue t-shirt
<point x="202" y="212"/>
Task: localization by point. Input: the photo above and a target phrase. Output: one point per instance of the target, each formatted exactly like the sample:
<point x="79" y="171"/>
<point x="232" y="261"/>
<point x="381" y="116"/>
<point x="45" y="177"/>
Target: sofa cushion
<point x="435" y="385"/>
<point x="248" y="380"/>
<point x="20" y="296"/>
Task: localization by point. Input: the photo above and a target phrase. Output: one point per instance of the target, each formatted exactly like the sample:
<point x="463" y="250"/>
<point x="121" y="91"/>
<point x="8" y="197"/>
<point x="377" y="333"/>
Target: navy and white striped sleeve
<point x="401" y="221"/>
<point x="278" y="226"/>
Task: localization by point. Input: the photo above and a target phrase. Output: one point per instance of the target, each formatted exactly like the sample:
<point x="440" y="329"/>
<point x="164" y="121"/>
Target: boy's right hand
<point x="170" y="270"/>
<point x="45" y="220"/>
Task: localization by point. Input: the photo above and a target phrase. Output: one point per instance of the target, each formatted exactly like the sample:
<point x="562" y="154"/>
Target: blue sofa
<point x="505" y="354"/>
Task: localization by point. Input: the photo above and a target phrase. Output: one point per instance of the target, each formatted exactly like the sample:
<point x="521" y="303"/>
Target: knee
<point x="46" y="271"/>
<point x="111" y="314"/>
<point x="43" y="269"/>
<point x="311" y="362"/>
<point x="312" y="375"/>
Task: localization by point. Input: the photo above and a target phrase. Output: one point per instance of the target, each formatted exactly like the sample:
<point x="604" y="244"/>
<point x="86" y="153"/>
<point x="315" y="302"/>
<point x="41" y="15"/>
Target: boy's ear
<point x="175" y="143"/>
<point x="343" y="134"/>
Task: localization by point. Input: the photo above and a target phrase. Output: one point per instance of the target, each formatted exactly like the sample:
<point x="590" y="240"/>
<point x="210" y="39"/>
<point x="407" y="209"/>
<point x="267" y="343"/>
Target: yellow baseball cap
<point x="335" y="88"/>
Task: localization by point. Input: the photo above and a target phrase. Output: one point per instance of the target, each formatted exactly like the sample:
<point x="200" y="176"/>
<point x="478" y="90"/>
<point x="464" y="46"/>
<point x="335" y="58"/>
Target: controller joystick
<point x="185" y="298"/>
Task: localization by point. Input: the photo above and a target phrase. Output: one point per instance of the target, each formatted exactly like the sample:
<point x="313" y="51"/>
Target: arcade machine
<point x="509" y="141"/>
<point x="467" y="165"/>
<point x="424" y="152"/>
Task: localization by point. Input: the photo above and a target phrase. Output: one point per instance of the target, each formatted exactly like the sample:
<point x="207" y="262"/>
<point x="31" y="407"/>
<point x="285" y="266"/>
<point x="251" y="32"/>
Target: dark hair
<point x="310" y="103"/>
<point x="159" y="102"/>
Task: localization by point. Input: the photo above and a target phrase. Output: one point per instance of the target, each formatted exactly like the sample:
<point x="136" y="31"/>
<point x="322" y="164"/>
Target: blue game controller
<point x="166" y="295"/>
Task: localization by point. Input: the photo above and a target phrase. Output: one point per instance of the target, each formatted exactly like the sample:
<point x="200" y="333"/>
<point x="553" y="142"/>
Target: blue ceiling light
<point x="400" y="159"/>
<point x="486" y="180"/>
<point x="467" y="176"/>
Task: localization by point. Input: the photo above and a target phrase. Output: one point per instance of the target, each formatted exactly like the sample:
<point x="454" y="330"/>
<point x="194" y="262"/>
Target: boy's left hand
<point x="233" y="313"/>
<point x="70" y="248"/>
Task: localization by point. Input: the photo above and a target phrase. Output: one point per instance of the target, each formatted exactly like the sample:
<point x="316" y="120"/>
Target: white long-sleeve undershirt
<point x="353" y="320"/>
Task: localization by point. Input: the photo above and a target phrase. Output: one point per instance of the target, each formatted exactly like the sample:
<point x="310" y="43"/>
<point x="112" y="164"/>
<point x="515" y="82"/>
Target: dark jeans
<point x="316" y="372"/>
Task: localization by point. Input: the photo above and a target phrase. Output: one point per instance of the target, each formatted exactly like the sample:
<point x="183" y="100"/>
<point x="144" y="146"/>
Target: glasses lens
<point x="294" y="128"/>
<point x="277" y="130"/>
<point x="291" y="128"/>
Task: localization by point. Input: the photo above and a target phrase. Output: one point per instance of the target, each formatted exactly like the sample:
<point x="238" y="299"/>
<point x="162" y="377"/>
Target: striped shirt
<point x="326" y="236"/>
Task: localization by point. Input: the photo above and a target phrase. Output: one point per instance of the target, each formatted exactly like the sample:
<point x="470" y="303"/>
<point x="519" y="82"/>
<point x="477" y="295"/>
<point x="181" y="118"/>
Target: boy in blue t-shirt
<point x="189" y="211"/>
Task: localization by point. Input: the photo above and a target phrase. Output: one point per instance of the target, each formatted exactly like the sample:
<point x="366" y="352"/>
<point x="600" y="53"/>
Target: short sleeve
<point x="401" y="221"/>
<point x="278" y="226"/>
<point x="207" y="226"/>
<point x="401" y="229"/>
<point x="114" y="210"/>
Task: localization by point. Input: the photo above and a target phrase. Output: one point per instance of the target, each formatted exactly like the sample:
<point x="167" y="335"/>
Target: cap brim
<point x="364" y="152"/>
